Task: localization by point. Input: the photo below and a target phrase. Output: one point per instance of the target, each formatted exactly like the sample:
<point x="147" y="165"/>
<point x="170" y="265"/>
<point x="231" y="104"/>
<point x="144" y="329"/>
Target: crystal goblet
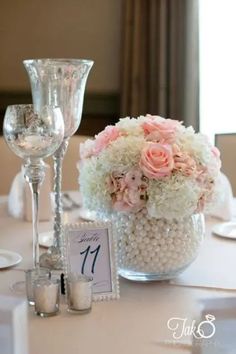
<point x="60" y="82"/>
<point x="33" y="136"/>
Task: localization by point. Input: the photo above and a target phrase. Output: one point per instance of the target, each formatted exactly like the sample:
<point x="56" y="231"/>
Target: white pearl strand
<point x="151" y="245"/>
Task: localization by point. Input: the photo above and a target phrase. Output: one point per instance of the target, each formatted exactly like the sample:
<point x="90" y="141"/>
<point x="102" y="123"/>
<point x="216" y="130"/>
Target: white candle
<point x="46" y="297"/>
<point x="79" y="293"/>
<point x="34" y="142"/>
<point x="31" y="275"/>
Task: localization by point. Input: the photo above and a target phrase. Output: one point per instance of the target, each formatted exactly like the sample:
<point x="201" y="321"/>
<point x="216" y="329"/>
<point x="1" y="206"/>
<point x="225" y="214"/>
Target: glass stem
<point x="58" y="222"/>
<point x="35" y="217"/>
<point x="34" y="175"/>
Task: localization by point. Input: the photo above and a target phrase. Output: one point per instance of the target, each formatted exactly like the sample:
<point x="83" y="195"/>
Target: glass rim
<point x="46" y="281"/>
<point x="20" y="105"/>
<point x="44" y="270"/>
<point x="74" y="277"/>
<point x="59" y="61"/>
<point x="31" y="105"/>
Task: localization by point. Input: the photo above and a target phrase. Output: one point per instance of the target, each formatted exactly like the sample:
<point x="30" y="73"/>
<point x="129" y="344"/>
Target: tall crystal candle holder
<point x="33" y="136"/>
<point x="59" y="82"/>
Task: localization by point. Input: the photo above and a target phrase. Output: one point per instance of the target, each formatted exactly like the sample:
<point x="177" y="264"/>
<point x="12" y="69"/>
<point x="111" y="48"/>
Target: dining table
<point x="147" y="316"/>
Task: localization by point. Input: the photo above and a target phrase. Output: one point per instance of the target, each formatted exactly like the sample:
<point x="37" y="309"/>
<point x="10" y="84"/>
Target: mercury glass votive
<point x="30" y="276"/>
<point x="46" y="297"/>
<point x="79" y="293"/>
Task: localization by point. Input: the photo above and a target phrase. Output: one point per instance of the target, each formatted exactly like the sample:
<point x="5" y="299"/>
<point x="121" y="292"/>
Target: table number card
<point x="90" y="249"/>
<point x="13" y="326"/>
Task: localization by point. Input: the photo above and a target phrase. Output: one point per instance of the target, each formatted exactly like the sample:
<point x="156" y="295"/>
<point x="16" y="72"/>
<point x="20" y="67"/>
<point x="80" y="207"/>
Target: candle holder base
<point x="45" y="314"/>
<point x="79" y="312"/>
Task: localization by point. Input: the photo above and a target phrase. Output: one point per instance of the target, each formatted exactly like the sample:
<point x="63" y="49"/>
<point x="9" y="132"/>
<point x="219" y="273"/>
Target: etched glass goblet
<point x="60" y="82"/>
<point x="33" y="136"/>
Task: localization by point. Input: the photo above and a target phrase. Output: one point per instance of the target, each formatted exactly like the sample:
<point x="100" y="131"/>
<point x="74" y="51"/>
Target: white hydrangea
<point x="130" y="126"/>
<point x="197" y="145"/>
<point x="172" y="197"/>
<point x="92" y="181"/>
<point x="122" y="154"/>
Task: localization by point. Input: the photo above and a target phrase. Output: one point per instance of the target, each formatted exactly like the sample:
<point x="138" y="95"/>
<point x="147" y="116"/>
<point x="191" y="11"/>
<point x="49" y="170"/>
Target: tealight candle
<point x="30" y="276"/>
<point x="34" y="142"/>
<point x="79" y="293"/>
<point x="46" y="297"/>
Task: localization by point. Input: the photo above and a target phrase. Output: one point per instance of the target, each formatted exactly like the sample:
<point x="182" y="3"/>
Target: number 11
<point x="86" y="252"/>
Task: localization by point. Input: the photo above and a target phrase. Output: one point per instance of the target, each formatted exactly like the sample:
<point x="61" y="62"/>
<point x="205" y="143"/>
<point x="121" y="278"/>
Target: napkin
<point x="16" y="197"/>
<point x="13" y="325"/>
<point x="223" y="208"/>
<point x="20" y="199"/>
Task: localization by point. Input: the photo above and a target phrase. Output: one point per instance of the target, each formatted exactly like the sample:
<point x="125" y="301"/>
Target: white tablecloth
<point x="137" y="323"/>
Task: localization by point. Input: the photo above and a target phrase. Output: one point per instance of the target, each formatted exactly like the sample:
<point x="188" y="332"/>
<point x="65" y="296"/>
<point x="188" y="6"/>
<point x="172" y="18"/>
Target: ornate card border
<point x="115" y="293"/>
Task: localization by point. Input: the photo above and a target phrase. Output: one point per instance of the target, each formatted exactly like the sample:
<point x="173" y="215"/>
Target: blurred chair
<point x="10" y="165"/>
<point x="226" y="143"/>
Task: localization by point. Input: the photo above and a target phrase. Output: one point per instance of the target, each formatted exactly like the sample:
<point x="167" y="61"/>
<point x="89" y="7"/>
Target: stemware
<point x="33" y="136"/>
<point x="59" y="82"/>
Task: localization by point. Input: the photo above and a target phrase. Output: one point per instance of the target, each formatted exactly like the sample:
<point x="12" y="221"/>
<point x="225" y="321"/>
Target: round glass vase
<point x="152" y="249"/>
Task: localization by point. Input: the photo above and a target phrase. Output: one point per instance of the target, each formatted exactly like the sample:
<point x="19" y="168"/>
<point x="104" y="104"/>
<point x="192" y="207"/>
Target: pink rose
<point x="103" y="139"/>
<point x="150" y="116"/>
<point x="156" y="160"/>
<point x="160" y="129"/>
<point x="183" y="162"/>
<point x="215" y="151"/>
<point x="127" y="201"/>
<point x="202" y="175"/>
<point x="216" y="154"/>
<point x="115" y="182"/>
<point x="204" y="179"/>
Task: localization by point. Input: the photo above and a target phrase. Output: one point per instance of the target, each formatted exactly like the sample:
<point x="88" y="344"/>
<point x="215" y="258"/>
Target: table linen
<point x="137" y="323"/>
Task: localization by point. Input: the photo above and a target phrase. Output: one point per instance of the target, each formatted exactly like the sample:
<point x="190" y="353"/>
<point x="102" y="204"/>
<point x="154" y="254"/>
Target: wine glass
<point x="33" y="136"/>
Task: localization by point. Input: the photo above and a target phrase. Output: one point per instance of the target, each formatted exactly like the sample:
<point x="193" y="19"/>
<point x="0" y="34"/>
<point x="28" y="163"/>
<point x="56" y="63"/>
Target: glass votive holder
<point x="46" y="296"/>
<point x="79" y="293"/>
<point x="30" y="276"/>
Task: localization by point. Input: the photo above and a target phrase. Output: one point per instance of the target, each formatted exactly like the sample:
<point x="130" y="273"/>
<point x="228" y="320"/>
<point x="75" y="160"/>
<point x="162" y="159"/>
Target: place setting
<point x="9" y="258"/>
<point x="225" y="230"/>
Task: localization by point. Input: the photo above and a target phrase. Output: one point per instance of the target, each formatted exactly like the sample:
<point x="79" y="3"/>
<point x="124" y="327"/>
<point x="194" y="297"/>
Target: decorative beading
<point x="157" y="246"/>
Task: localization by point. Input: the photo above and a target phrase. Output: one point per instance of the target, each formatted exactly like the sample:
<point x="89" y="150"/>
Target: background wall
<point x="63" y="28"/>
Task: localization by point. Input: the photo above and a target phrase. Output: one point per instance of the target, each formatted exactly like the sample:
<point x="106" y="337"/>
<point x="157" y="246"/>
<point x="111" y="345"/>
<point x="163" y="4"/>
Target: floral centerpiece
<point x="153" y="171"/>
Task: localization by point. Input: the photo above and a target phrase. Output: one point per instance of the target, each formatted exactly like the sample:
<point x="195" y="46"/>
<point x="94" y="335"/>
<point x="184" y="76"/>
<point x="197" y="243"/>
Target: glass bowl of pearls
<point x="152" y="249"/>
